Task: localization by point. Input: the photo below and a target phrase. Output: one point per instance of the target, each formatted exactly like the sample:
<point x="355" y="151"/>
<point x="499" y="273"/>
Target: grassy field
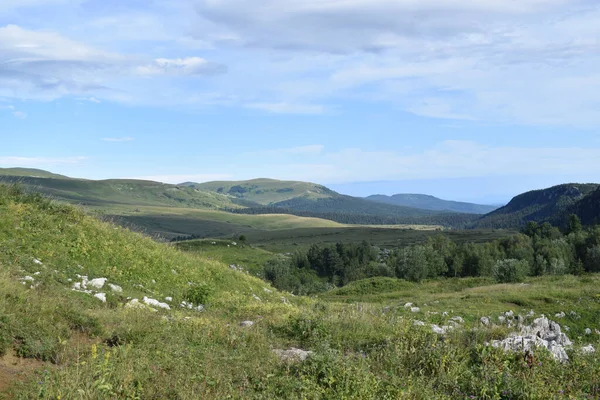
<point x="363" y="340"/>
<point x="391" y="236"/>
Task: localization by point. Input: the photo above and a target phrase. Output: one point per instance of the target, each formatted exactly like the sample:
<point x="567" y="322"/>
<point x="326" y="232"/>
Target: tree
<point x="574" y="225"/>
<point x="510" y="270"/>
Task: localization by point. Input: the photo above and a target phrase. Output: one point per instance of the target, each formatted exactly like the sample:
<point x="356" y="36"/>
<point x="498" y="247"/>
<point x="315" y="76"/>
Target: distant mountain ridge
<point x="428" y="202"/>
<point x="552" y="205"/>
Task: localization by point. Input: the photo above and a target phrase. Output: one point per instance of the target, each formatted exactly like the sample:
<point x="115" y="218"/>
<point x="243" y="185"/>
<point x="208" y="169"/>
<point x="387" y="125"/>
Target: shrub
<point x="510" y="270"/>
<point x="199" y="293"/>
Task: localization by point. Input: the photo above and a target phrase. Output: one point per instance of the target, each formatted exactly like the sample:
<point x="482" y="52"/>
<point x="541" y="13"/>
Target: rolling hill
<point x="265" y="191"/>
<point x="427" y="202"/>
<point x="30" y="172"/>
<point x="547" y="205"/>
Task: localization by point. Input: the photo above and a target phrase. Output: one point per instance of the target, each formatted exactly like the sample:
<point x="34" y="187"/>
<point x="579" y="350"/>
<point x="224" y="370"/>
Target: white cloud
<point x="448" y="159"/>
<point x="288" y="108"/>
<point x="119" y="139"/>
<point x="13" y="161"/>
<point x="19" y="114"/>
<point x="181" y="66"/>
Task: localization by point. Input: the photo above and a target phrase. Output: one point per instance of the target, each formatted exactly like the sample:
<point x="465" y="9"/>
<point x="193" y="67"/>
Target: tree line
<point x="539" y="249"/>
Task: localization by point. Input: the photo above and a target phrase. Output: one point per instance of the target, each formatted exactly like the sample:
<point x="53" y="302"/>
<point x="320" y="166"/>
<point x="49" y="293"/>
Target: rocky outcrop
<point x="543" y="333"/>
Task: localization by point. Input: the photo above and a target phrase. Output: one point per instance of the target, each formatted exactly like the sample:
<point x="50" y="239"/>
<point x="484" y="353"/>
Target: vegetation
<point x="539" y="250"/>
<point x="363" y="339"/>
<point x="427" y="202"/>
<point x="552" y="205"/>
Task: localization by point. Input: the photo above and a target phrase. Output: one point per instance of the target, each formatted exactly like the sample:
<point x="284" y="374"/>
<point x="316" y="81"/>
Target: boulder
<point x="97" y="283"/>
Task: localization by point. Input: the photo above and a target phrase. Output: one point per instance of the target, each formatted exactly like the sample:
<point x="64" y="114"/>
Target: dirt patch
<point x="14" y="369"/>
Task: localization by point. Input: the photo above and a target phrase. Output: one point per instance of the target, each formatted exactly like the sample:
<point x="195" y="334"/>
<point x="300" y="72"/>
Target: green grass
<point x="364" y="342"/>
<point x="249" y="258"/>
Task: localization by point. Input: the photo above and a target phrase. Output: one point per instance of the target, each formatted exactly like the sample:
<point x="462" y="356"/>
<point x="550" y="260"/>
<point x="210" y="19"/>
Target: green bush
<point x="510" y="270"/>
<point x="199" y="293"/>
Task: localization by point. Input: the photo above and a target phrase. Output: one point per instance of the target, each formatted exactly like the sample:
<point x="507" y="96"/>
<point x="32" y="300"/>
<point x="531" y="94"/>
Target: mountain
<point x="309" y="199"/>
<point x="265" y="191"/>
<point x="587" y="209"/>
<point x="427" y="202"/>
<point x="546" y="205"/>
<point x="31" y="172"/>
<point x="120" y="192"/>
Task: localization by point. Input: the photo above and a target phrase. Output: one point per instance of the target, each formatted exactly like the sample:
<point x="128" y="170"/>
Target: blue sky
<point x="469" y="100"/>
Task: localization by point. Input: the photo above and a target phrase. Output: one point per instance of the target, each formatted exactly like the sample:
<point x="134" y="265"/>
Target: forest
<point x="539" y="249"/>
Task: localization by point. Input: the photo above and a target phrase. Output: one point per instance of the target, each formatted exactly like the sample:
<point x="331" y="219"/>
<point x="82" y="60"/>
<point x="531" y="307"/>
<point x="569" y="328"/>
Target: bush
<point x="507" y="271"/>
<point x="198" y="293"/>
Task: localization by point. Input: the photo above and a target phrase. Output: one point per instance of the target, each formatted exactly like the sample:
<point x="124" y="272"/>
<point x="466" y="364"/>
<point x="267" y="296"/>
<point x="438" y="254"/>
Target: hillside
<point x="90" y="310"/>
<point x="587" y="209"/>
<point x="546" y="205"/>
<point x="121" y="191"/>
<point x="31" y="172"/>
<point x="432" y="203"/>
<point x="265" y="191"/>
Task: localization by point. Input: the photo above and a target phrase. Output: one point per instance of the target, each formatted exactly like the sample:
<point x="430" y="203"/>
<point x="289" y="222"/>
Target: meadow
<point x="365" y="342"/>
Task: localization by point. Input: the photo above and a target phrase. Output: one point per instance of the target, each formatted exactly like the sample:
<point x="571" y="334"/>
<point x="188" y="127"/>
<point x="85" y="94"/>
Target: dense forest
<point x="540" y="249"/>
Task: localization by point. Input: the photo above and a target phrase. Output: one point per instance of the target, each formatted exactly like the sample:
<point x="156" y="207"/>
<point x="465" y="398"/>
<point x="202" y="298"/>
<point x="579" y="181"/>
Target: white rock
<point x="509" y="314"/>
<point x="485" y="321"/>
<point x="101" y="297"/>
<point x="445" y="314"/>
<point x="501" y="318"/>
<point x="416" y="322"/>
<point x="115" y="288"/>
<point x="415" y="309"/>
<point x="408" y="305"/>
<point x="588" y="331"/>
<point x="97" y="283"/>
<point x="255" y="297"/>
<point x="35" y="260"/>
<point x="246" y="324"/>
<point x="37" y="273"/>
<point x="28" y="278"/>
<point x="560" y="315"/>
<point x="200" y="308"/>
<point x="293" y="354"/>
<point x="441" y="330"/>
<point x="155" y="303"/>
<point x="76" y="286"/>
<point x="267" y="290"/>
<point x="458" y="319"/>
<point x="169" y="299"/>
<point x="589" y="349"/>
<point x="134" y="303"/>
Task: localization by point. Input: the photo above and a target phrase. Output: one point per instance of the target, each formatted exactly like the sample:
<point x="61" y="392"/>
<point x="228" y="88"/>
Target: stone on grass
<point x="156" y="303"/>
<point x="115" y="288"/>
<point x="408" y="305"/>
<point x="416" y="322"/>
<point x="246" y="324"/>
<point x="292" y="354"/>
<point x="97" y="283"/>
<point x="588" y="331"/>
<point x="589" y="349"/>
<point x="485" y="321"/>
<point x="415" y="309"/>
<point x="101" y="297"/>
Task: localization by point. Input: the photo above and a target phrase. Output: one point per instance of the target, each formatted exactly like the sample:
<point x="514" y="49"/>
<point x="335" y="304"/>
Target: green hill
<point x="121" y="191"/>
<point x="31" y="172"/>
<point x="265" y="191"/>
<point x="546" y="205"/>
<point x="432" y="203"/>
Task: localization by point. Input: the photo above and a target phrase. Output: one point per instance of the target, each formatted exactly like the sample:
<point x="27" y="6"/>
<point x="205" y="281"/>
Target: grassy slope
<point x="122" y="192"/>
<point x="266" y="191"/>
<point x="362" y="350"/>
<point x="31" y="172"/>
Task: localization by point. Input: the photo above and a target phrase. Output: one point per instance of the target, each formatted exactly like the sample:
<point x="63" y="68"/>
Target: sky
<point x="474" y="100"/>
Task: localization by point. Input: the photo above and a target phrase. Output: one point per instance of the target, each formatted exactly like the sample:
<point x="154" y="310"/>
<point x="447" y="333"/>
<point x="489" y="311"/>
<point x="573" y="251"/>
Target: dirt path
<point x="14" y="369"/>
